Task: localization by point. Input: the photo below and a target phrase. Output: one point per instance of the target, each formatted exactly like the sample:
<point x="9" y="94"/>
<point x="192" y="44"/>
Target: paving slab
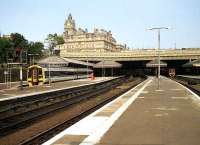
<point x="169" y="115"/>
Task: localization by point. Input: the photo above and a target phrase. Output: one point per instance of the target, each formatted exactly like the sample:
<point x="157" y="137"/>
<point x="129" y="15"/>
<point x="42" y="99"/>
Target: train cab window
<point x="29" y="73"/>
<point x="40" y="72"/>
<point x="35" y="73"/>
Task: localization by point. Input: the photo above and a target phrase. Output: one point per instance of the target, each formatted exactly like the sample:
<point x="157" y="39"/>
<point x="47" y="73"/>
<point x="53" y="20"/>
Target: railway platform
<point x="145" y="115"/>
<point x="15" y="92"/>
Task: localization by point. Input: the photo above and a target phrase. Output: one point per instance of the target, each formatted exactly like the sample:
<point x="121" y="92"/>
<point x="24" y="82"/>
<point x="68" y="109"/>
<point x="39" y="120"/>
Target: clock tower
<point x="69" y="27"/>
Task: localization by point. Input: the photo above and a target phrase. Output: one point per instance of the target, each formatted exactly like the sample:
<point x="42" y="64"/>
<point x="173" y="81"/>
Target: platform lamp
<point x="47" y="47"/>
<point x="87" y="65"/>
<point x="158" y="31"/>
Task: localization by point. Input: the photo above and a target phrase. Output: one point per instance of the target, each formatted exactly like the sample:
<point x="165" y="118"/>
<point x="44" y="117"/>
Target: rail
<point x="47" y="134"/>
<point x="189" y="82"/>
<point x="15" y="112"/>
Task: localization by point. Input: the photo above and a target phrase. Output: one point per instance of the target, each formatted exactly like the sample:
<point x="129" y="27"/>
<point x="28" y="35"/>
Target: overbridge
<point x="135" y="55"/>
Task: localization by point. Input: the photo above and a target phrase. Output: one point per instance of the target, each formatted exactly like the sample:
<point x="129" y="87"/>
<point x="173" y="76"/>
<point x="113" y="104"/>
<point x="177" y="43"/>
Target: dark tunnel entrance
<point x="138" y="68"/>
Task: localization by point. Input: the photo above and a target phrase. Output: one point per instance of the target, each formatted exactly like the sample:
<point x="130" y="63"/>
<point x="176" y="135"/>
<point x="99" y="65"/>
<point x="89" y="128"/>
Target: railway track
<point x="13" y="122"/>
<point x="24" y="111"/>
<point x="193" y="86"/>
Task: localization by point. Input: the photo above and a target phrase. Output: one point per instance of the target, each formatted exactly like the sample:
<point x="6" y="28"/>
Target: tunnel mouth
<point x="138" y="68"/>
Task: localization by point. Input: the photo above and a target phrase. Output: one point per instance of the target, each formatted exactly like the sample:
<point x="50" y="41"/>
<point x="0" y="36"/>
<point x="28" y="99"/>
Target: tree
<point x="17" y="47"/>
<point x="20" y="45"/>
<point x="6" y="50"/>
<point x="53" y="40"/>
<point x="59" y="39"/>
<point x="35" y="49"/>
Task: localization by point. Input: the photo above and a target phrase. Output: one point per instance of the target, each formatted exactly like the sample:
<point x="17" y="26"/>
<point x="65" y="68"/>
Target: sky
<point x="127" y="19"/>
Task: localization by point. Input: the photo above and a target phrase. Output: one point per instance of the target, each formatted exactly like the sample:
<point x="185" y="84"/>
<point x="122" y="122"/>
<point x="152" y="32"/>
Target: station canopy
<point x="53" y="60"/>
<point x="107" y="64"/>
<point x="61" y="61"/>
<point x="154" y="63"/>
<point x="195" y="63"/>
<point x="78" y="62"/>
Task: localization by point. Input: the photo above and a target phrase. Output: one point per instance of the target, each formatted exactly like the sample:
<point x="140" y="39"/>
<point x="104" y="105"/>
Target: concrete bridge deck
<point x="133" y="55"/>
<point x="142" y="116"/>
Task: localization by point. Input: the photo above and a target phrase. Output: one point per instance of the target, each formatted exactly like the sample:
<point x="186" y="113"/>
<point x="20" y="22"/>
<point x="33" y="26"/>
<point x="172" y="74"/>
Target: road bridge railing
<point x="134" y="55"/>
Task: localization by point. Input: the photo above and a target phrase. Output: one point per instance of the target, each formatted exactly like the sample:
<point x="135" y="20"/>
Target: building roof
<point x="107" y="64"/>
<point x="78" y="62"/>
<point x="56" y="60"/>
<point x="195" y="63"/>
<point x="154" y="63"/>
<point x="52" y="60"/>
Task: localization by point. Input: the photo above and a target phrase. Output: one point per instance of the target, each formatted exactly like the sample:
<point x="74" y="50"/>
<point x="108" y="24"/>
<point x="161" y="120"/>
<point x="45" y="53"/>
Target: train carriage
<point x="35" y="75"/>
<point x="172" y="72"/>
<point x="48" y="71"/>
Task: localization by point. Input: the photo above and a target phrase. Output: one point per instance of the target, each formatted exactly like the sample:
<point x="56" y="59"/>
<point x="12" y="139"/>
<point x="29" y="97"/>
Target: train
<point x="39" y="74"/>
<point x="171" y="72"/>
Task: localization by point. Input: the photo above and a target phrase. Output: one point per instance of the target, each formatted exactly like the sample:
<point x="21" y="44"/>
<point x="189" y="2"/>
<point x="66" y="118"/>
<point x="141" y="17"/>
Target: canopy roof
<point x="78" y="62"/>
<point x="195" y="63"/>
<point x="56" y="60"/>
<point x="107" y="64"/>
<point x="154" y="63"/>
<point x="52" y="60"/>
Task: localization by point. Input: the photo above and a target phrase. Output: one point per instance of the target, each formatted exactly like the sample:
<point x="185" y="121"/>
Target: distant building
<point x="79" y="40"/>
<point x="5" y="36"/>
<point x="121" y="47"/>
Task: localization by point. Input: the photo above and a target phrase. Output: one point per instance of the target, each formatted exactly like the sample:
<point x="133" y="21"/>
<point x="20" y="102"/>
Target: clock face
<point x="68" y="24"/>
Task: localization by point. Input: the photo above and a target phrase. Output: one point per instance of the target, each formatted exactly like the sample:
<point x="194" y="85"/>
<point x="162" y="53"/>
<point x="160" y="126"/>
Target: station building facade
<point x="79" y="40"/>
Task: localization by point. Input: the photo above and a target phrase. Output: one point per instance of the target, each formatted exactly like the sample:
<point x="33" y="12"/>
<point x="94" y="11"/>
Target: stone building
<point x="79" y="40"/>
<point x="7" y="36"/>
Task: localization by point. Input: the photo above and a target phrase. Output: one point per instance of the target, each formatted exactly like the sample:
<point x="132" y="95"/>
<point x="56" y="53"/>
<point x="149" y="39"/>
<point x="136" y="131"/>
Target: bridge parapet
<point x="166" y="54"/>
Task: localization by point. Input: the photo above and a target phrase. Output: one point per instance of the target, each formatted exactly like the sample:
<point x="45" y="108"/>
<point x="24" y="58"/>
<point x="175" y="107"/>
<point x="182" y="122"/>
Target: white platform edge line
<point x="95" y="137"/>
<point x="194" y="94"/>
<point x="61" y="134"/>
<point x="102" y="108"/>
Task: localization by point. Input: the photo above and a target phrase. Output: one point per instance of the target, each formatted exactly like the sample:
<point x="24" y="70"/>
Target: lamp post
<point x="21" y="73"/>
<point x="103" y="68"/>
<point x="158" y="31"/>
<point x="9" y="73"/>
<point x="49" y="69"/>
<point x="47" y="44"/>
<point x="87" y="65"/>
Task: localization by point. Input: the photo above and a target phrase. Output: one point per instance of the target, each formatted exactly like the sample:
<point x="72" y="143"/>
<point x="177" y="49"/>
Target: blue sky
<point x="127" y="19"/>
